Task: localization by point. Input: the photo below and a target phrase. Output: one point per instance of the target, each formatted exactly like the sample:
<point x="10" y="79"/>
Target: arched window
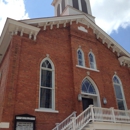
<point x="84" y="6"/>
<point x="80" y="56"/>
<point x="87" y="87"/>
<point x="63" y="5"/>
<point x="119" y="93"/>
<point x="47" y="84"/>
<point x="58" y="10"/>
<point x="89" y="93"/>
<point x="92" y="61"/>
<point x="76" y="4"/>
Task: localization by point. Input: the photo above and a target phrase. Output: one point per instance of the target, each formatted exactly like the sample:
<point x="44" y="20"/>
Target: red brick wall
<point x="107" y="64"/>
<point x="4" y="67"/>
<point x="11" y="81"/>
<point x="22" y="89"/>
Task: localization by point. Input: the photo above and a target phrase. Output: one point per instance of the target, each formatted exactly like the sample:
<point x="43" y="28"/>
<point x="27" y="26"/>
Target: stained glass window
<point x="87" y="87"/>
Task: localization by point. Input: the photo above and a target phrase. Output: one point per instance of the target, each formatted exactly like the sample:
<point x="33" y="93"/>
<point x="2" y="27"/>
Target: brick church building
<point x="63" y="73"/>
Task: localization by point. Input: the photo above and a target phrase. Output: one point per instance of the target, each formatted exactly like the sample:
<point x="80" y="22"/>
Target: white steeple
<point x="72" y="7"/>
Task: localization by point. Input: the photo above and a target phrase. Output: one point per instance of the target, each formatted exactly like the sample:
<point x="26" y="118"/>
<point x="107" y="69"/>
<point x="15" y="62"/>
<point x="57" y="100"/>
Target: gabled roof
<point x="32" y="27"/>
<point x="11" y="28"/>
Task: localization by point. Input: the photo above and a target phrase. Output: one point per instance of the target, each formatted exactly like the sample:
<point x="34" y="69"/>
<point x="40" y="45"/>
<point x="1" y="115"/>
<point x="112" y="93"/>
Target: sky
<point x="113" y="16"/>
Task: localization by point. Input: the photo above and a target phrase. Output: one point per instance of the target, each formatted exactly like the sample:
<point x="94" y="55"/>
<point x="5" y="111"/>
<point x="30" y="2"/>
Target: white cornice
<point x="31" y="27"/>
<point x="82" y="18"/>
<point x="124" y="61"/>
<point x="12" y="27"/>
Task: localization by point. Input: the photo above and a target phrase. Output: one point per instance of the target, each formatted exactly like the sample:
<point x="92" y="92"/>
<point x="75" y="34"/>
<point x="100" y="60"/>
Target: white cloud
<point x="14" y="9"/>
<point x="111" y="14"/>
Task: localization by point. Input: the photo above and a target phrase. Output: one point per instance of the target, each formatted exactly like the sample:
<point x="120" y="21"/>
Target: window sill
<point x="82" y="67"/>
<point x="46" y="110"/>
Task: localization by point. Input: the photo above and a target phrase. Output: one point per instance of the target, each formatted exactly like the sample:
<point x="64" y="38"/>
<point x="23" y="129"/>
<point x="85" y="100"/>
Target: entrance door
<point x="86" y="102"/>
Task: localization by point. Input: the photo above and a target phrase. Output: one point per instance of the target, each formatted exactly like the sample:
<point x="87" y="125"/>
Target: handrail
<point x="64" y="122"/>
<point x="80" y="121"/>
<point x="84" y="118"/>
<point x="96" y="114"/>
<point x="111" y="115"/>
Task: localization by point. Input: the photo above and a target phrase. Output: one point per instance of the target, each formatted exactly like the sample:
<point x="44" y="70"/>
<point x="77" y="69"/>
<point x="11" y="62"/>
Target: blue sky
<point x="39" y="8"/>
<point x="112" y="16"/>
<point x="122" y="37"/>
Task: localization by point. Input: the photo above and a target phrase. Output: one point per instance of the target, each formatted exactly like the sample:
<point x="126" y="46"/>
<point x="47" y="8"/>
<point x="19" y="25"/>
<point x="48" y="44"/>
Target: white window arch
<point x="119" y="93"/>
<point x="47" y="85"/>
<point x="80" y="57"/>
<point x="90" y="90"/>
<point x="92" y="61"/>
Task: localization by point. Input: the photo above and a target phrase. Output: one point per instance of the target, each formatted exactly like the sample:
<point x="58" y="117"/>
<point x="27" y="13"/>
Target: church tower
<point x="72" y="7"/>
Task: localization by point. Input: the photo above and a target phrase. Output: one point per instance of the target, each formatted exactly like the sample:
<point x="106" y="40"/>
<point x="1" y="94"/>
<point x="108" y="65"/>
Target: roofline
<point x="75" y="17"/>
<point x="12" y="27"/>
<point x="50" y="19"/>
<point x="27" y="26"/>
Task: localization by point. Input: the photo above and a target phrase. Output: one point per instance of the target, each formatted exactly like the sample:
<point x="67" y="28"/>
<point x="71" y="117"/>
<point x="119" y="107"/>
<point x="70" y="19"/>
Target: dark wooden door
<point x="86" y="102"/>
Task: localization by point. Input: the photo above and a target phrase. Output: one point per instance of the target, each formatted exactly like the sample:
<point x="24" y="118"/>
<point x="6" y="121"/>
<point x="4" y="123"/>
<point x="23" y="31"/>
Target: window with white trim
<point x="47" y="88"/>
<point x="119" y="93"/>
<point x="80" y="56"/>
<point x="92" y="61"/>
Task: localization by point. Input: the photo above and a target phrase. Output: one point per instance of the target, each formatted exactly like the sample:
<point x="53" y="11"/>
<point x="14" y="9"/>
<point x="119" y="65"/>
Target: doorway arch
<point x="90" y="93"/>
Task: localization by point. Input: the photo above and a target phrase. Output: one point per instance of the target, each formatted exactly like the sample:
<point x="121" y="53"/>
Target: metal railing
<point x="80" y="121"/>
<point x="65" y="122"/>
<point x="111" y="115"/>
<point x="96" y="114"/>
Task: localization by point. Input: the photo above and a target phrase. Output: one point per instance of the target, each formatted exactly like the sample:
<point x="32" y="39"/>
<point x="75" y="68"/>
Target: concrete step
<point x="88" y="127"/>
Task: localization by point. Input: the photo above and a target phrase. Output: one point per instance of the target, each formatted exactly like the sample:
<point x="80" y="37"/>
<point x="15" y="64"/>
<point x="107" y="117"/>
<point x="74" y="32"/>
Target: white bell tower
<point x="72" y="7"/>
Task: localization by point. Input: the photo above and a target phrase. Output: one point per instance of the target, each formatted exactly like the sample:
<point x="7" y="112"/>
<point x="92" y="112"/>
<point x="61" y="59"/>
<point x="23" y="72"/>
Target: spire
<point x="72" y="7"/>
